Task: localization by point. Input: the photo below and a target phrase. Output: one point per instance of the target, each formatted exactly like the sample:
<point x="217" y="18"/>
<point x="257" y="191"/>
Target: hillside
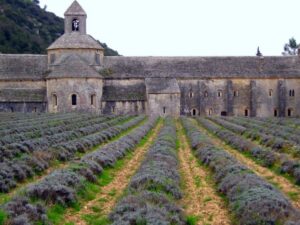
<point x="27" y="28"/>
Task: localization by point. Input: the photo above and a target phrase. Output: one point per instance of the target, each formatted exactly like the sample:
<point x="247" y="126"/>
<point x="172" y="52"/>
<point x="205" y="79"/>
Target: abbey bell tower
<point x="75" y="19"/>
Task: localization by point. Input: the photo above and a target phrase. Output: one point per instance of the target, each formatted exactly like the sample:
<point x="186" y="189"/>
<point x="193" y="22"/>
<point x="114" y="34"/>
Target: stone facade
<point x="75" y="76"/>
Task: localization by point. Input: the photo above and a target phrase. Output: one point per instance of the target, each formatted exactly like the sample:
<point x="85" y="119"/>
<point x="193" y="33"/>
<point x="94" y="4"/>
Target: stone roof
<point x="72" y="66"/>
<point x="23" y="67"/>
<point x="203" y="67"/>
<point x="75" y="9"/>
<point x="75" y="40"/>
<point x="162" y="86"/>
<point x="135" y="92"/>
<point x="22" y="95"/>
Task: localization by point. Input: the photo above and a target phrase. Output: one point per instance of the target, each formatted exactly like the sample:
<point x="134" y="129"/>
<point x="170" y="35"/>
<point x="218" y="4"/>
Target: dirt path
<point x="289" y="189"/>
<point x="200" y="199"/>
<point x="109" y="194"/>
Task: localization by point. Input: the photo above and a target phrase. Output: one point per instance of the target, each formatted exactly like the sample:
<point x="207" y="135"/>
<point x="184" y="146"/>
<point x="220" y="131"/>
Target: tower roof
<point x="75" y="40"/>
<point x="75" y="9"/>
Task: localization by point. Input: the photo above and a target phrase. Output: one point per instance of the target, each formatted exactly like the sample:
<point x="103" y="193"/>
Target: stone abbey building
<point x="76" y="76"/>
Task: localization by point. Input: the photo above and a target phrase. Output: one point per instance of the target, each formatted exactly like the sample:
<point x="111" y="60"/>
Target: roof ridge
<point x="75" y="9"/>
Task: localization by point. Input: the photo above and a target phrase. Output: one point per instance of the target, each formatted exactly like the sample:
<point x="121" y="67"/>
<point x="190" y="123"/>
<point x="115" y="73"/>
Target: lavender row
<point x="62" y="186"/>
<point x="43" y="143"/>
<point x="276" y="143"/>
<point x="18" y="170"/>
<point x="277" y="132"/>
<point x="42" y="131"/>
<point x="266" y="157"/>
<point x="252" y="200"/>
<point x="152" y="191"/>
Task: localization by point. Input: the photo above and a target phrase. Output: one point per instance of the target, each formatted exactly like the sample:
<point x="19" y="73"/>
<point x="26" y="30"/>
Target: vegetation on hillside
<point x="27" y="28"/>
<point x="291" y="48"/>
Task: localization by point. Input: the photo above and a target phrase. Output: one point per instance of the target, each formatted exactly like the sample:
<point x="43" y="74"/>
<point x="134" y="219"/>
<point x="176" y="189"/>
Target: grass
<point x="96" y="220"/>
<point x="3" y="217"/>
<point x="55" y="213"/>
<point x="192" y="220"/>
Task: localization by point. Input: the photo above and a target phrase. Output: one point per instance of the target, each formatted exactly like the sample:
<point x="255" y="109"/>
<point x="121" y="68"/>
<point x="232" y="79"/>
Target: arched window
<point x="270" y="92"/>
<point x="93" y="99"/>
<point x="220" y="94"/>
<point x="164" y="110"/>
<point x="75" y="25"/>
<point x="194" y="112"/>
<point x="205" y="94"/>
<point x="290" y="112"/>
<point x="191" y="94"/>
<point x="246" y="112"/>
<point x="210" y="112"/>
<point x="275" y="112"/>
<point x="74" y="99"/>
<point x="235" y="93"/>
<point x="54" y="99"/>
<point x="292" y="93"/>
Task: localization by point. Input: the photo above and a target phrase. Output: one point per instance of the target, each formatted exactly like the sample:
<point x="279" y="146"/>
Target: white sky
<point x="189" y="27"/>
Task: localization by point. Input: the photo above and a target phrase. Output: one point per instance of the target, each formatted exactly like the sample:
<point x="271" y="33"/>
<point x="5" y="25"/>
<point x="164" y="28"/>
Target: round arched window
<point x="75" y="25"/>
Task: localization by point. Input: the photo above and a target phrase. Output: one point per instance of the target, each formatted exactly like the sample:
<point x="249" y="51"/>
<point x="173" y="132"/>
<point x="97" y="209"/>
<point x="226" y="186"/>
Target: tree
<point x="291" y="48"/>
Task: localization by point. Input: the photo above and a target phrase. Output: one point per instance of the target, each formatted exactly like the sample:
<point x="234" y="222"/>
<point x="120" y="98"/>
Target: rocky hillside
<point x="27" y="28"/>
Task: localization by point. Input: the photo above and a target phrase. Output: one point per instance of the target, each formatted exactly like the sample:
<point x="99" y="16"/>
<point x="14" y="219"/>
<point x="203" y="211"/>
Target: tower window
<point x="191" y="94"/>
<point x="74" y="99"/>
<point x="235" y="93"/>
<point x="292" y="93"/>
<point x="93" y="100"/>
<point x="54" y="100"/>
<point x="270" y="92"/>
<point x="75" y="25"/>
<point x="52" y="58"/>
<point x="97" y="58"/>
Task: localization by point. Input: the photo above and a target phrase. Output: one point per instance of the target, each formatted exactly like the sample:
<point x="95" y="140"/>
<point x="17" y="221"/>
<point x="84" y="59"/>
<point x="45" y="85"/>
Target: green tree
<point x="291" y="48"/>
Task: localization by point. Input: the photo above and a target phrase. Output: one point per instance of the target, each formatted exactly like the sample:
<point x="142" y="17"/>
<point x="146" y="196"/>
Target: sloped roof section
<point x="72" y="66"/>
<point x="22" y="95"/>
<point x="135" y="92"/>
<point x="203" y="67"/>
<point x="75" y="40"/>
<point x="75" y="9"/>
<point x="23" y="67"/>
<point x="162" y="86"/>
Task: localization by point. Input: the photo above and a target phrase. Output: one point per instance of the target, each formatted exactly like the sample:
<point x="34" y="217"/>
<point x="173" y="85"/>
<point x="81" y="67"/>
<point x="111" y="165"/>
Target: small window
<point x="246" y="112"/>
<point x="113" y="109"/>
<point x="223" y="113"/>
<point x="290" y="112"/>
<point x="270" y="92"/>
<point x="74" y="99"/>
<point x="75" y="25"/>
<point x="164" y="110"/>
<point x="235" y="93"/>
<point x="97" y="59"/>
<point x="220" y="94"/>
<point x="54" y="100"/>
<point x="52" y="58"/>
<point x="210" y="112"/>
<point x="275" y="112"/>
<point x="191" y="94"/>
<point x="12" y="109"/>
<point x="34" y="109"/>
<point x="93" y="100"/>
<point x="194" y="112"/>
<point x="205" y="94"/>
<point x="292" y="93"/>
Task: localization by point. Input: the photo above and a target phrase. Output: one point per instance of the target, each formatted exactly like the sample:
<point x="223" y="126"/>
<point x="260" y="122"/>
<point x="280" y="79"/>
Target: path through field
<point x="109" y="194"/>
<point x="291" y="190"/>
<point x="200" y="199"/>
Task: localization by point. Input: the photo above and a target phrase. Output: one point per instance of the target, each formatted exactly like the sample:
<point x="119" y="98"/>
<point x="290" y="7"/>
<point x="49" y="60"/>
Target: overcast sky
<point x="189" y="27"/>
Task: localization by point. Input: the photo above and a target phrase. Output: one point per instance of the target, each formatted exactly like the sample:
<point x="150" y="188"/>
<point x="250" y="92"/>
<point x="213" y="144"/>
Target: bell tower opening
<point x="75" y="25"/>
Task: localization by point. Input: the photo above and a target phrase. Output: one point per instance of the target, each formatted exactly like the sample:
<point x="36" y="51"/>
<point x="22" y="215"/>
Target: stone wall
<point x="83" y="88"/>
<point x="124" y="107"/>
<point x="23" y="107"/>
<point x="164" y="105"/>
